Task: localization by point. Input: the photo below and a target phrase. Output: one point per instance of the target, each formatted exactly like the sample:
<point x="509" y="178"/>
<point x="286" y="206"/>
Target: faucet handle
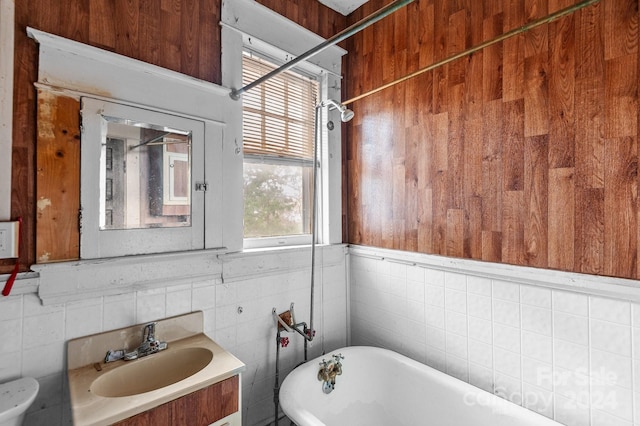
<point x="149" y="332"/>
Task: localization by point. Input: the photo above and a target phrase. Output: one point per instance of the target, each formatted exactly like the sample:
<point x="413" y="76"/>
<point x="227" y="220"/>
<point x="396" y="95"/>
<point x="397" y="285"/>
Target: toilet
<point x="15" y="398"/>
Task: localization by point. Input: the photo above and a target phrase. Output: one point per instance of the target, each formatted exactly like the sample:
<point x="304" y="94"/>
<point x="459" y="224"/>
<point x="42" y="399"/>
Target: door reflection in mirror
<point x="145" y="176"/>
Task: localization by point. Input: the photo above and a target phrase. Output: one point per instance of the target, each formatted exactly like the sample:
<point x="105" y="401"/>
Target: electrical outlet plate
<point x="8" y="240"/>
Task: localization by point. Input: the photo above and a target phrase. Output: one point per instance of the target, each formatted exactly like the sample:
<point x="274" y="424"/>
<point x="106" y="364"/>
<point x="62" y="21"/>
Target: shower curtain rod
<point x="547" y="19"/>
<point x="337" y="38"/>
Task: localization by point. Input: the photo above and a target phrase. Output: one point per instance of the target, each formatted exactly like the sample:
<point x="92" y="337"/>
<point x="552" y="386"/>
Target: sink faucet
<point x="149" y="345"/>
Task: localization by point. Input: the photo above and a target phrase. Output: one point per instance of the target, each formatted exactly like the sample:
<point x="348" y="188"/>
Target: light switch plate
<point x="9" y="239"/>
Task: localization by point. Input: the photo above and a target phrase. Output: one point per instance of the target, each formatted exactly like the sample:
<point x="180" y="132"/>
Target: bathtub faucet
<point x="328" y="372"/>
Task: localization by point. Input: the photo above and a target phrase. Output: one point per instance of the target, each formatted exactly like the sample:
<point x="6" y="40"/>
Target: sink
<point x="151" y="372"/>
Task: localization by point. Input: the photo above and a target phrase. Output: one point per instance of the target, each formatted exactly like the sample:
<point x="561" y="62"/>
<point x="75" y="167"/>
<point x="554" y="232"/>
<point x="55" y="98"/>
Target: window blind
<point x="278" y="115"/>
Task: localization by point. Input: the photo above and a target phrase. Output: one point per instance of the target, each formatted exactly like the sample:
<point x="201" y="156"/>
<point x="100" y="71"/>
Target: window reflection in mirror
<point x="145" y="176"/>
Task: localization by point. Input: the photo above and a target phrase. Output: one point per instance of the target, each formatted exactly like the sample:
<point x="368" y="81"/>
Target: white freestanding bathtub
<point x="382" y="387"/>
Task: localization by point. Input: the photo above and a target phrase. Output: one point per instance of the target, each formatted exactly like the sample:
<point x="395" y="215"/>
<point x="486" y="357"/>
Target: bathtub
<point x="382" y="387"/>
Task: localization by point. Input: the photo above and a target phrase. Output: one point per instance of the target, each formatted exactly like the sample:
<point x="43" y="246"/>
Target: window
<point x="278" y="136"/>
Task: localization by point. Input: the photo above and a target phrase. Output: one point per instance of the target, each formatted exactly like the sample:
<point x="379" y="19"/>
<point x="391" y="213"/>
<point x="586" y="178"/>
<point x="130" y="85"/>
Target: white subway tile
<point x="119" y="311"/>
<point x="505" y="290"/>
<point x="415" y="273"/>
<point x="537" y="346"/>
<point x="538" y="400"/>
<point x="507" y="362"/>
<point x="398" y="270"/>
<point x="435" y="317"/>
<point x="537" y="373"/>
<point x="507" y="313"/>
<point x="508" y="388"/>
<point x="455" y="281"/>
<point x="456" y="323"/>
<point x="480" y="353"/>
<point x="635" y="314"/>
<point x="11" y="335"/>
<point x="43" y="329"/>
<point x="610" y="310"/>
<point x="436" y="338"/>
<point x="506" y="337"/>
<point x="611" y="337"/>
<point x="416" y="311"/>
<point x="570" y="356"/>
<point x="416" y="291"/>
<point x="33" y="306"/>
<point x="455" y="300"/>
<point x="225" y="294"/>
<point x="481" y="377"/>
<point x="601" y="418"/>
<point x="479" y="306"/>
<point x="436" y="358"/>
<point x="535" y="296"/>
<point x="83" y="321"/>
<point x="536" y="319"/>
<point x="10" y="308"/>
<point x="434" y="277"/>
<point x="569" y="302"/>
<point x="179" y="302"/>
<point x="613" y="400"/>
<point x="572" y="328"/>
<point x="434" y="295"/>
<point x="609" y="369"/>
<point x="151" y="305"/>
<point x="458" y="368"/>
<point x="456" y="345"/>
<point x="481" y="330"/>
<point x="572" y="384"/>
<point x="570" y="411"/>
<point x="43" y="360"/>
<point x="10" y="365"/>
<point x="478" y="285"/>
<point x="205" y="297"/>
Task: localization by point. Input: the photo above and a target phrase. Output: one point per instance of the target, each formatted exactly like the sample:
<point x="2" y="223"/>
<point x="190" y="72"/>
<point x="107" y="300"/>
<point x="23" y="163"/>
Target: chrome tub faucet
<point x="328" y="372"/>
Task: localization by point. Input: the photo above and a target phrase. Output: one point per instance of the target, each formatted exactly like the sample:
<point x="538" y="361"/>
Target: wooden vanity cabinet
<point x="201" y="408"/>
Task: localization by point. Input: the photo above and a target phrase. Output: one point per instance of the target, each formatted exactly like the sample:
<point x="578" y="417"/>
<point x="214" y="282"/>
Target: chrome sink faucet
<point x="149" y="345"/>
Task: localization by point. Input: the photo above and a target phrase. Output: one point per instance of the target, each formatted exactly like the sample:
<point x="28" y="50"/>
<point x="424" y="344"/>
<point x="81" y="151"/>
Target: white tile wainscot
<point x="150" y="287"/>
<point x="563" y="344"/>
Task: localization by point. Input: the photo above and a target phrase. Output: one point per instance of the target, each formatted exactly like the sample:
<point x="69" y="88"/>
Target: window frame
<point x="316" y="73"/>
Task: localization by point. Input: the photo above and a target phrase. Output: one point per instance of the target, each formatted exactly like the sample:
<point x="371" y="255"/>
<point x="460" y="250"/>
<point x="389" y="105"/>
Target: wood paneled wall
<point x="525" y="153"/>
<point x="181" y="35"/>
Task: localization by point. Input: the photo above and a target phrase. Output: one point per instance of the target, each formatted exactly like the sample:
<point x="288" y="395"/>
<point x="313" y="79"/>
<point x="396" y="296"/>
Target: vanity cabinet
<point x="217" y="405"/>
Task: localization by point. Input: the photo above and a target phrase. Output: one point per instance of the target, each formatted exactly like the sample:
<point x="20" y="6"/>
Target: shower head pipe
<point x="345" y="113"/>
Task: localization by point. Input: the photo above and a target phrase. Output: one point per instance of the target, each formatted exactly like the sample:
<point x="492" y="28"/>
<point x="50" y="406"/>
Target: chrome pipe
<point x="337" y="38"/>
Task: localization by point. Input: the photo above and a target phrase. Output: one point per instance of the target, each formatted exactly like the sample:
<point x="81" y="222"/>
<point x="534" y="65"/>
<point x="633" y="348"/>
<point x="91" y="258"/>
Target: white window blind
<point x="278" y="115"/>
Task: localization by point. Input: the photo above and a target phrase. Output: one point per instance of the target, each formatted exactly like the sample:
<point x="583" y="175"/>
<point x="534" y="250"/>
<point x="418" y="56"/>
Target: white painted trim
<point x="63" y="45"/>
<point x="7" y="25"/>
<point x="253" y="19"/>
<point x="618" y="288"/>
<point x="265" y="262"/>
<point x="67" y="281"/>
<point x="78" y="94"/>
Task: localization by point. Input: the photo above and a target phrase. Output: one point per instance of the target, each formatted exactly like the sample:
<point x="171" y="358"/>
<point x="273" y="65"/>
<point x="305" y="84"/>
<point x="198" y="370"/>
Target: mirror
<point x="145" y="176"/>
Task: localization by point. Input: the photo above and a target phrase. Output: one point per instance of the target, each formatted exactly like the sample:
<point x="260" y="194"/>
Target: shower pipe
<point x="536" y="23"/>
<point x="337" y="38"/>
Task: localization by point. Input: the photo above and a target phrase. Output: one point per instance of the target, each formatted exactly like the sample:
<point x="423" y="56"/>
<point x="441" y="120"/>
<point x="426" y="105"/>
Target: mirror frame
<point x="97" y="243"/>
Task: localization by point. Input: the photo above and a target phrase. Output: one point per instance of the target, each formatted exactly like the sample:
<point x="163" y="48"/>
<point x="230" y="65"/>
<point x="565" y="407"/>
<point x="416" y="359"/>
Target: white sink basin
<point x="151" y="372"/>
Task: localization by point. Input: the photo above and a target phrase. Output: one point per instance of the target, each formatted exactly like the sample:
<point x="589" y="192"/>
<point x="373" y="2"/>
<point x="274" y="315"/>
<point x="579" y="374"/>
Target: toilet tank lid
<point x="16" y="396"/>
